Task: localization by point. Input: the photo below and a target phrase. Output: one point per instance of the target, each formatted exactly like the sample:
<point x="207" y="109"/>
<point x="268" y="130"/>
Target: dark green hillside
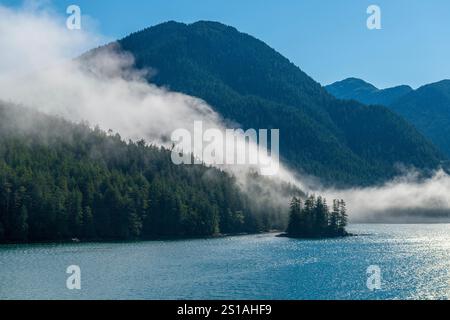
<point x="428" y="108"/>
<point x="250" y="83"/>
<point x="59" y="181"/>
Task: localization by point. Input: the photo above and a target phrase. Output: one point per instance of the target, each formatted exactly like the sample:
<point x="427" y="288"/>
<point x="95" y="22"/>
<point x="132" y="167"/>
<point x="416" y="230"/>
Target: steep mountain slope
<point x="359" y="90"/>
<point x="59" y="180"/>
<point x="428" y="108"/>
<point x="250" y="83"/>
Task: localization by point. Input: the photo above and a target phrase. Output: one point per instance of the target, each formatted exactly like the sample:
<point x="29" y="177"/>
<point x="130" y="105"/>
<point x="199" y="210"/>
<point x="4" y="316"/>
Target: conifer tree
<point x="334" y="218"/>
<point x="342" y="222"/>
<point x="295" y="226"/>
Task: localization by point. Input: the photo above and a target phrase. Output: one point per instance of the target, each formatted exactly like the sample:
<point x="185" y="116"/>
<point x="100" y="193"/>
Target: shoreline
<point x="81" y="241"/>
<point x="279" y="234"/>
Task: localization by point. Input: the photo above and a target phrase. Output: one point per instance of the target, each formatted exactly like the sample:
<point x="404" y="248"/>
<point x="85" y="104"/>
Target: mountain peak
<point x="402" y="86"/>
<point x="234" y="57"/>
<point x="362" y="91"/>
<point x="356" y="82"/>
<point x="172" y="26"/>
<point x="351" y="88"/>
<point x="211" y="24"/>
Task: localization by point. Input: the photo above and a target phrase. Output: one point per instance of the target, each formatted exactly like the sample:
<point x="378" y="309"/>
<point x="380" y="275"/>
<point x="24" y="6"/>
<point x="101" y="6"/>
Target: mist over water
<point x="407" y="198"/>
<point x="38" y="70"/>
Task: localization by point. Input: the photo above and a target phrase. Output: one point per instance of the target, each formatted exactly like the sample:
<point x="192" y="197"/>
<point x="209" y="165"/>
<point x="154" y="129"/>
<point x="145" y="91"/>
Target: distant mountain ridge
<point x="248" y="82"/>
<point x="427" y="108"/>
<point x="362" y="91"/>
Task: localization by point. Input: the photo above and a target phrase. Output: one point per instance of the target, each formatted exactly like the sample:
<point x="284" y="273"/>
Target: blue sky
<point x="328" y="39"/>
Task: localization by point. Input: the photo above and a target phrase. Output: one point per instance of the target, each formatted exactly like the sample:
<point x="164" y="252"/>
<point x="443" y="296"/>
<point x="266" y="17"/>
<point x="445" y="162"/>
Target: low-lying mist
<point x="408" y="198"/>
<point x="38" y="69"/>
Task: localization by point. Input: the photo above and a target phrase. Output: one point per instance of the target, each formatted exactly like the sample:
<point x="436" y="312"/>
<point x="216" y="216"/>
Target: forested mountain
<point x="60" y="180"/>
<point x="359" y="90"/>
<point x="250" y="83"/>
<point x="427" y="108"/>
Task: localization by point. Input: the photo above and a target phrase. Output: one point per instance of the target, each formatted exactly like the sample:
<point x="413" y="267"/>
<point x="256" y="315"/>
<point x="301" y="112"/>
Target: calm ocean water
<point x="414" y="261"/>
